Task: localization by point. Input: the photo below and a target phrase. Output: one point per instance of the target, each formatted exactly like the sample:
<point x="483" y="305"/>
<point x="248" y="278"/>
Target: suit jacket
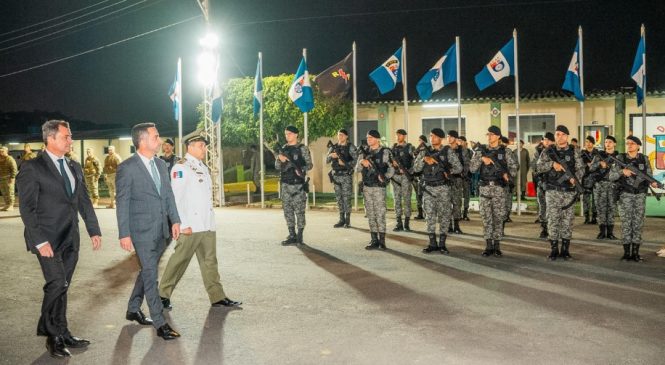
<point x="47" y="212"/>
<point x="143" y="213"/>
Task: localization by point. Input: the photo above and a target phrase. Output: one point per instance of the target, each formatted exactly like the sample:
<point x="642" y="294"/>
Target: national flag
<point x="501" y="65"/>
<point x="258" y="89"/>
<point x="217" y="106"/>
<point x="300" y="91"/>
<point x="638" y="73"/>
<point x="441" y="74"/>
<point x="174" y="95"/>
<point x="336" y="79"/>
<point x="572" y="82"/>
<point x="389" y="73"/>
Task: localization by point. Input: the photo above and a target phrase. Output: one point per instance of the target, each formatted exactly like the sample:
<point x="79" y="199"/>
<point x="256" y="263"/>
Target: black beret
<point x="591" y="139"/>
<point x="343" y="131"/>
<point x="574" y="140"/>
<point x="562" y="128"/>
<point x="196" y="138"/>
<point x="292" y="129"/>
<point x="611" y="138"/>
<point x="401" y="131"/>
<point x="549" y="136"/>
<point x="374" y="133"/>
<point x="438" y="132"/>
<point x="634" y="139"/>
<point x="462" y="138"/>
<point x="494" y="130"/>
<point x="169" y="141"/>
<point x="453" y="134"/>
<point x="505" y="140"/>
<point x="423" y="138"/>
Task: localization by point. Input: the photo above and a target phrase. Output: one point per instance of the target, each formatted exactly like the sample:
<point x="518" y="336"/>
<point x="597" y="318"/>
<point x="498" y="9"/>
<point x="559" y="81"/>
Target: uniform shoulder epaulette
<point x="181" y="161"/>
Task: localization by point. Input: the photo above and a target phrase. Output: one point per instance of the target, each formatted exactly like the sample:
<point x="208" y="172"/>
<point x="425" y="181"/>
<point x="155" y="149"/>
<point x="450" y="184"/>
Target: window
<point x="532" y="127"/>
<point x="445" y="123"/>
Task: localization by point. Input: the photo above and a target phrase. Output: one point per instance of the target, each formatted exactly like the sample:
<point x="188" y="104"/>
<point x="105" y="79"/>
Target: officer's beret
<point x="591" y="139"/>
<point x="344" y="131"/>
<point x="505" y="140"/>
<point x="634" y="139"/>
<point x="453" y="134"/>
<point x="374" y="133"/>
<point x="438" y="132"/>
<point x="401" y="131"/>
<point x="462" y="138"/>
<point x="549" y="136"/>
<point x="292" y="129"/>
<point x="611" y="138"/>
<point x="169" y="141"/>
<point x="494" y="130"/>
<point x="196" y="138"/>
<point x="423" y="138"/>
<point x="562" y="128"/>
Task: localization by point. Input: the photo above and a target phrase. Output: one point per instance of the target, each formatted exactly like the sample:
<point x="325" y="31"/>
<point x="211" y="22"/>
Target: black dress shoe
<point x="166" y="302"/>
<point x="75" y="342"/>
<point x="138" y="317"/>
<point x="56" y="347"/>
<point x="167" y="333"/>
<point x="226" y="302"/>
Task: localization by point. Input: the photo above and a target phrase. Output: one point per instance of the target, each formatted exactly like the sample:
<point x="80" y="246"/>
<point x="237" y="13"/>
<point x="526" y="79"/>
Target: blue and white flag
<point x="441" y="74"/>
<point x="389" y="73"/>
<point x="501" y="65"/>
<point x="572" y="82"/>
<point x="258" y="89"/>
<point x="174" y="95"/>
<point x="300" y="91"/>
<point x="638" y="73"/>
<point x="217" y="106"/>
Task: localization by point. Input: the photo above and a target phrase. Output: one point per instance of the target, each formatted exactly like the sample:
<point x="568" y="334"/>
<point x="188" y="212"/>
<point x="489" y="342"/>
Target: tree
<point x="241" y="127"/>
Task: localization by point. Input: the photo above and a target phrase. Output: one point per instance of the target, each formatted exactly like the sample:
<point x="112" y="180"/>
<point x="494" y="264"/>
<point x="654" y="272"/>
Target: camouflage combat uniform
<point x="540" y="189"/>
<point x="8" y="171"/>
<point x="457" y="182"/>
<point x="92" y="170"/>
<point x="588" y="200"/>
<point x="401" y="183"/>
<point x="342" y="179"/>
<point x="111" y="163"/>
<point x="604" y="195"/>
<point x="293" y="180"/>
<point x="416" y="183"/>
<point x="375" y="180"/>
<point x="468" y="154"/>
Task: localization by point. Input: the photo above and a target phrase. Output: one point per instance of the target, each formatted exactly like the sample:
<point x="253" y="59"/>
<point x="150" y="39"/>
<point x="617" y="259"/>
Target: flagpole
<point x="404" y="87"/>
<point x="459" y="86"/>
<point x="263" y="170"/>
<point x="304" y="56"/>
<point x="580" y="72"/>
<point x="644" y="90"/>
<point x="355" y="122"/>
<point x="517" y="124"/>
<point x="179" y="91"/>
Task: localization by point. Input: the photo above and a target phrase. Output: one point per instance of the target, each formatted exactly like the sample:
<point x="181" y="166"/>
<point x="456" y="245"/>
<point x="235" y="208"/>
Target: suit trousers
<point x="58" y="271"/>
<point x="148" y="253"/>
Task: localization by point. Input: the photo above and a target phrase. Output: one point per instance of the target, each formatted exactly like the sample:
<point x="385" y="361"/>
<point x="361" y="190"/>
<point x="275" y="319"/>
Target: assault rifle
<point x="485" y="152"/>
<point x="364" y="151"/>
<point x="396" y="162"/>
<point x="567" y="175"/>
<point x="288" y="164"/>
<point x="640" y="176"/>
<point x="336" y="149"/>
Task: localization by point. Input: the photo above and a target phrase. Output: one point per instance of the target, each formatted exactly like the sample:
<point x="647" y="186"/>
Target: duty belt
<point x="492" y="183"/>
<point x="435" y="183"/>
<point x="560" y="188"/>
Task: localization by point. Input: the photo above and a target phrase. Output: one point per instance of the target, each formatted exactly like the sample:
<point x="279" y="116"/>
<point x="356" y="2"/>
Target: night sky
<point x="128" y="83"/>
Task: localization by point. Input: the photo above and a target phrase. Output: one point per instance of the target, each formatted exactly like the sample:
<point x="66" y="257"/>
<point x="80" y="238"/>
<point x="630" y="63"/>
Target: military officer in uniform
<point x="437" y="164"/>
<point x="497" y="167"/>
<point x="28" y="154"/>
<point x="402" y="154"/>
<point x="169" y="157"/>
<point x="8" y="172"/>
<point x="422" y="145"/>
<point x="192" y="188"/>
<point x="92" y="170"/>
<point x="111" y="163"/>
<point x="588" y="202"/>
<point x="560" y="192"/>
<point x="468" y="154"/>
<point x="376" y="169"/>
<point x="539" y="179"/>
<point x="632" y="199"/>
<point x="293" y="161"/>
<point x="342" y="156"/>
<point x="457" y="181"/>
<point x="604" y="189"/>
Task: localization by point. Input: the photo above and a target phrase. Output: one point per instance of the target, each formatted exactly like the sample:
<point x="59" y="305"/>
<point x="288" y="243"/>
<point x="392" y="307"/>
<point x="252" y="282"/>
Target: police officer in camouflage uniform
<point x="468" y="154"/>
<point x="510" y="187"/>
<point x="539" y="179"/>
<point x="437" y="164"/>
<point x="457" y="181"/>
<point x="376" y="169"/>
<point x="402" y="154"/>
<point x="169" y="156"/>
<point x="561" y="193"/>
<point x="293" y="161"/>
<point x="588" y="201"/>
<point x="8" y="171"/>
<point x="111" y="163"/>
<point x="604" y="190"/>
<point x="632" y="199"/>
<point x="28" y="154"/>
<point x="342" y="156"/>
<point x="417" y="186"/>
<point x="497" y="166"/>
<point x="92" y="170"/>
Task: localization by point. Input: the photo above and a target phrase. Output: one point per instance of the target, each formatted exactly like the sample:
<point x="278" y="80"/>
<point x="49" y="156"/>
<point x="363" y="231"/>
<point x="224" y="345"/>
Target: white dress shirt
<point x="146" y="162"/>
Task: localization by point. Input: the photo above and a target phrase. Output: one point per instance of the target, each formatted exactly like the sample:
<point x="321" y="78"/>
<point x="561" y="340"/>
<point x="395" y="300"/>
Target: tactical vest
<point x="401" y="154"/>
<point x="370" y="176"/>
<point x="460" y="156"/>
<point x="433" y="175"/>
<point x="567" y="157"/>
<point x="288" y="173"/>
<point x="492" y="173"/>
<point x="627" y="184"/>
<point x="602" y="173"/>
<point x="344" y="154"/>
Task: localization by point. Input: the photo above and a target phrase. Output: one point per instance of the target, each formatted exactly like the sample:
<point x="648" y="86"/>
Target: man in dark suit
<point x="52" y="193"/>
<point x="145" y="205"/>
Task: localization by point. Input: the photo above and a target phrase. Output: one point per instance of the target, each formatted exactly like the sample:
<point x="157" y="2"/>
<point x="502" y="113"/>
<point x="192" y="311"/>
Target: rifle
<point x="363" y="150"/>
<point x="640" y="176"/>
<point x="593" y="177"/>
<point x="336" y="149"/>
<point x="288" y="164"/>
<point x="567" y="175"/>
<point x="395" y="161"/>
<point x="485" y="152"/>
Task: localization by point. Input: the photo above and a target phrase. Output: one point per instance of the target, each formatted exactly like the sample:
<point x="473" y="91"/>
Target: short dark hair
<point x="139" y="131"/>
<point x="51" y="127"/>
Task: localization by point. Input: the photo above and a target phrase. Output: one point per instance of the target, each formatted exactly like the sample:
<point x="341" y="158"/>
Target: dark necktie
<point x="68" y="184"/>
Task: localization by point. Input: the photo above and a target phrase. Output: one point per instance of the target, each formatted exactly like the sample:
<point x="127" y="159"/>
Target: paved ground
<point x="332" y="302"/>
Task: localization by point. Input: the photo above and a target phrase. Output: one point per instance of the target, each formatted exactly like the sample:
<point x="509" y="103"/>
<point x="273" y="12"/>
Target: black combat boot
<point x="442" y="244"/>
<point x="399" y="227"/>
<point x="465" y="215"/>
<point x="291" y="239"/>
<point x="508" y="220"/>
<point x="610" y="232"/>
<point x="432" y="244"/>
<point x="420" y="215"/>
<point x="382" y="241"/>
<point x="456" y="228"/>
<point x="489" y="248"/>
<point x="626" y="252"/>
<point x="406" y="224"/>
<point x="594" y="219"/>
<point x="543" y="231"/>
<point x="340" y="223"/>
<point x="565" y="249"/>
<point x="374" y="242"/>
<point x="299" y="239"/>
<point x="586" y="218"/>
<point x="603" y="232"/>
<point x="450" y="227"/>
<point x="636" y="253"/>
<point x="347" y="220"/>
<point x="555" y="250"/>
<point x="497" y="248"/>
